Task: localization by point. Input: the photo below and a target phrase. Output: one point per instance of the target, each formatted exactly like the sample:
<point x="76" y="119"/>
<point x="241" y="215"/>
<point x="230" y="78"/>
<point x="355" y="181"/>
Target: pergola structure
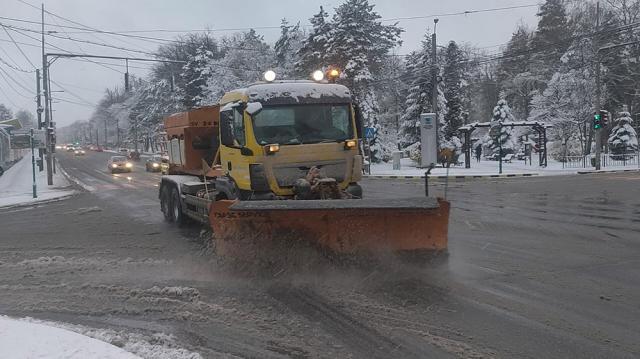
<point x="539" y="127"/>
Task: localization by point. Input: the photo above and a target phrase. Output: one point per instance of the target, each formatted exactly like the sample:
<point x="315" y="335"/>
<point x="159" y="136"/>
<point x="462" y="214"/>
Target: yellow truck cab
<point x="273" y="133"/>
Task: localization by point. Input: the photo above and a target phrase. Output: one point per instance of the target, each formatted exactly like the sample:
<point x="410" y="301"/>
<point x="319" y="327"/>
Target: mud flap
<point x="341" y="226"/>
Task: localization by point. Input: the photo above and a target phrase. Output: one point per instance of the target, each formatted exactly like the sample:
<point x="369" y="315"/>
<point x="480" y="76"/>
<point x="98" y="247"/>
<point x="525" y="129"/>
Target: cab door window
<point x="238" y="128"/>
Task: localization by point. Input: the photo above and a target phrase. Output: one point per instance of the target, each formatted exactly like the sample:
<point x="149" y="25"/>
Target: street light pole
<point x="598" y="131"/>
<point x="434" y="80"/>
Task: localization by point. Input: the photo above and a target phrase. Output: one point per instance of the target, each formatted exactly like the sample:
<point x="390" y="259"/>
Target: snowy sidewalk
<point x="26" y="339"/>
<point x="16" y="185"/>
<point x="484" y="168"/>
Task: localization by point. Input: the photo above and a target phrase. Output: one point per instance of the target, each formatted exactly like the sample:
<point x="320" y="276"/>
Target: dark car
<point x="154" y="164"/>
<point x="119" y="164"/>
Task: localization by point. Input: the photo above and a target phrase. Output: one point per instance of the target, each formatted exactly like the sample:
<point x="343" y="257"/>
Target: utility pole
<point x="105" y="133"/>
<point x="47" y="118"/>
<point x="51" y="124"/>
<point x="126" y="76"/>
<point x="598" y="84"/>
<point x="434" y="80"/>
<point x="39" y="112"/>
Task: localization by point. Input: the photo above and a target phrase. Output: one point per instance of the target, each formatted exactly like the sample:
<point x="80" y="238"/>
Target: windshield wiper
<point x="326" y="140"/>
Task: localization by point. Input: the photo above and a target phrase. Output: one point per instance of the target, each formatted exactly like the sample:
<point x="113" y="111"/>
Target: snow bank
<point x="484" y="168"/>
<point x="29" y="339"/>
<point x="16" y="185"/>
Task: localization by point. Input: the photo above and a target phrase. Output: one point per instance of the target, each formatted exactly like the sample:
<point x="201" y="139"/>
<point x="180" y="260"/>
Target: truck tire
<point x="165" y="203"/>
<point x="176" y="208"/>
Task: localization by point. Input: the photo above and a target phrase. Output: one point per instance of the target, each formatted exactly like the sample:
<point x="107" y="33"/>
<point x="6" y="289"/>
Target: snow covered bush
<point x="623" y="138"/>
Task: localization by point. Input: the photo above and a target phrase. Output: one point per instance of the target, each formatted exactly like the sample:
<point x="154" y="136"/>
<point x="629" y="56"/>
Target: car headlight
<point x="129" y="165"/>
<point x="155" y="165"/>
<point x="82" y="152"/>
<point x="114" y="165"/>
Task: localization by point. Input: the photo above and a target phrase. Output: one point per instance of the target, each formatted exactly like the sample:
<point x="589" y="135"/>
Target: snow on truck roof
<point x="292" y="92"/>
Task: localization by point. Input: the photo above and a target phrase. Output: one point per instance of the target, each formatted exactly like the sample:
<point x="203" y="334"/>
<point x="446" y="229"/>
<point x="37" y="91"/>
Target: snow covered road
<point x="539" y="267"/>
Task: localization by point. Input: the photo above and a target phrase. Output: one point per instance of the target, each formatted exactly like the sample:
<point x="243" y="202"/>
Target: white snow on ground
<point x="16" y="185"/>
<point x="33" y="338"/>
<point x="27" y="339"/>
<point x="485" y="168"/>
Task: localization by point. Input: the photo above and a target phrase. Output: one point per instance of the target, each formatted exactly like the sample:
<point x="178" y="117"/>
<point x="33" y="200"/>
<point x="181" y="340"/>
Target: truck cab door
<point x="234" y="155"/>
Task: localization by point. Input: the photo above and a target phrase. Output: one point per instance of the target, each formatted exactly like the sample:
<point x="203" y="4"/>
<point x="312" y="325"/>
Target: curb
<point x="452" y="177"/>
<point x="606" y="171"/>
<point x="36" y="203"/>
<point x="73" y="181"/>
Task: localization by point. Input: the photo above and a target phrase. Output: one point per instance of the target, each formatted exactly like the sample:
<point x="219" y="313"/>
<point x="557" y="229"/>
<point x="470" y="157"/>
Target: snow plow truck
<point x="282" y="159"/>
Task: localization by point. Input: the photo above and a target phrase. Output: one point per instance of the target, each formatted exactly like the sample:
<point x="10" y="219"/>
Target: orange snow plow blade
<point x="342" y="226"/>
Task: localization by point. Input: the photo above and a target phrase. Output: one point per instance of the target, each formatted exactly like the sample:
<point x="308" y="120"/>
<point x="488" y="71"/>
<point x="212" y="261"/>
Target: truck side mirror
<point x="226" y="129"/>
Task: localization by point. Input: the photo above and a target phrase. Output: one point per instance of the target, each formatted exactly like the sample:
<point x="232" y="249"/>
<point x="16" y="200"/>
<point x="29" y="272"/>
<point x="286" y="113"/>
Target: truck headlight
<point x="129" y="165"/>
<point x="114" y="166"/>
<point x="271" y="149"/>
<point x="350" y="144"/>
<point x="155" y="165"/>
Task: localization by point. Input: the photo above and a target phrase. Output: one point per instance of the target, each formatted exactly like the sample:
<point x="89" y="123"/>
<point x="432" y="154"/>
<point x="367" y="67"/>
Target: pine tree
<point x="499" y="136"/>
<point x="196" y="77"/>
<point x="357" y="44"/>
<point x="287" y="47"/>
<point x="312" y="53"/>
<point x="551" y="38"/>
<point x="518" y="84"/>
<point x="418" y="99"/>
<point x="452" y="74"/>
<point x="623" y="138"/>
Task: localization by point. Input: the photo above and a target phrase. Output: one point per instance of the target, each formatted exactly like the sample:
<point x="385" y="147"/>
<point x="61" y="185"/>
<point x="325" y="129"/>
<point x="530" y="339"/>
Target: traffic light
<point x="597" y="121"/>
<point x="604" y="115"/>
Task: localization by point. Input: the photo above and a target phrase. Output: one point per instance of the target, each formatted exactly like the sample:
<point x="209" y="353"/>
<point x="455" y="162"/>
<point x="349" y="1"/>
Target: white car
<point x="119" y="164"/>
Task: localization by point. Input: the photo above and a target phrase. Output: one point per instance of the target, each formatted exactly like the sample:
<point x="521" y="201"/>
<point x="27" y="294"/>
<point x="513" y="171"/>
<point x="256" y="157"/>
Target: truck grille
<point x="287" y="175"/>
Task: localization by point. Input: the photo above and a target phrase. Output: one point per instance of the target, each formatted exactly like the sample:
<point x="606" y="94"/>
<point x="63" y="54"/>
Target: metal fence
<point x="606" y="160"/>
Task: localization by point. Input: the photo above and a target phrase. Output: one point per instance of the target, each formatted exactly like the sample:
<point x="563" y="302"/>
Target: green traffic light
<point x="596" y="117"/>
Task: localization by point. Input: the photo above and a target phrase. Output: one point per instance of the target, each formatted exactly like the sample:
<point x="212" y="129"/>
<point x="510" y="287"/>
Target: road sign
<point x="369" y="132"/>
<point x="21" y="139"/>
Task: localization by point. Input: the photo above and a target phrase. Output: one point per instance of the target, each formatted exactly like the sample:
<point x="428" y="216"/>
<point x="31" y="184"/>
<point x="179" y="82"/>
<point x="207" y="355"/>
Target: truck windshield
<point x="297" y="124"/>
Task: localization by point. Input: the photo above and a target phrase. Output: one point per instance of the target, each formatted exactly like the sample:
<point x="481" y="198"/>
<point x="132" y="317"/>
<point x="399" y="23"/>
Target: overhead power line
<point x="18" y="46"/>
<point x="466" y="12"/>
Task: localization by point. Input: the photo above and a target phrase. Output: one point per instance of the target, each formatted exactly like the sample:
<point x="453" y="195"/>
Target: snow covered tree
<point x="185" y="48"/>
<point x="518" y="84"/>
<point x="567" y="100"/>
<point x="287" y="48"/>
<point x="623" y="138"/>
<point x="312" y="53"/>
<point x="246" y="57"/>
<point x="551" y="39"/>
<point x="500" y="137"/>
<point x="196" y="77"/>
<point x="357" y="43"/>
<point x="418" y="99"/>
<point x="26" y="118"/>
<point x="5" y="113"/>
<point x="452" y="74"/>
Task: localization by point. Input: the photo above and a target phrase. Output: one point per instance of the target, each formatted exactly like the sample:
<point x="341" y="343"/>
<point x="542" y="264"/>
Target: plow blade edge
<point x="341" y="226"/>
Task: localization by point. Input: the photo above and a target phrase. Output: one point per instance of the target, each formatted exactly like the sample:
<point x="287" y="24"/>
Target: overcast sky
<point x="85" y="82"/>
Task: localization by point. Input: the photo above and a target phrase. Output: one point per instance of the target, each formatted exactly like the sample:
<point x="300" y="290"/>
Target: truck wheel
<point x="165" y="204"/>
<point x="176" y="208"/>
